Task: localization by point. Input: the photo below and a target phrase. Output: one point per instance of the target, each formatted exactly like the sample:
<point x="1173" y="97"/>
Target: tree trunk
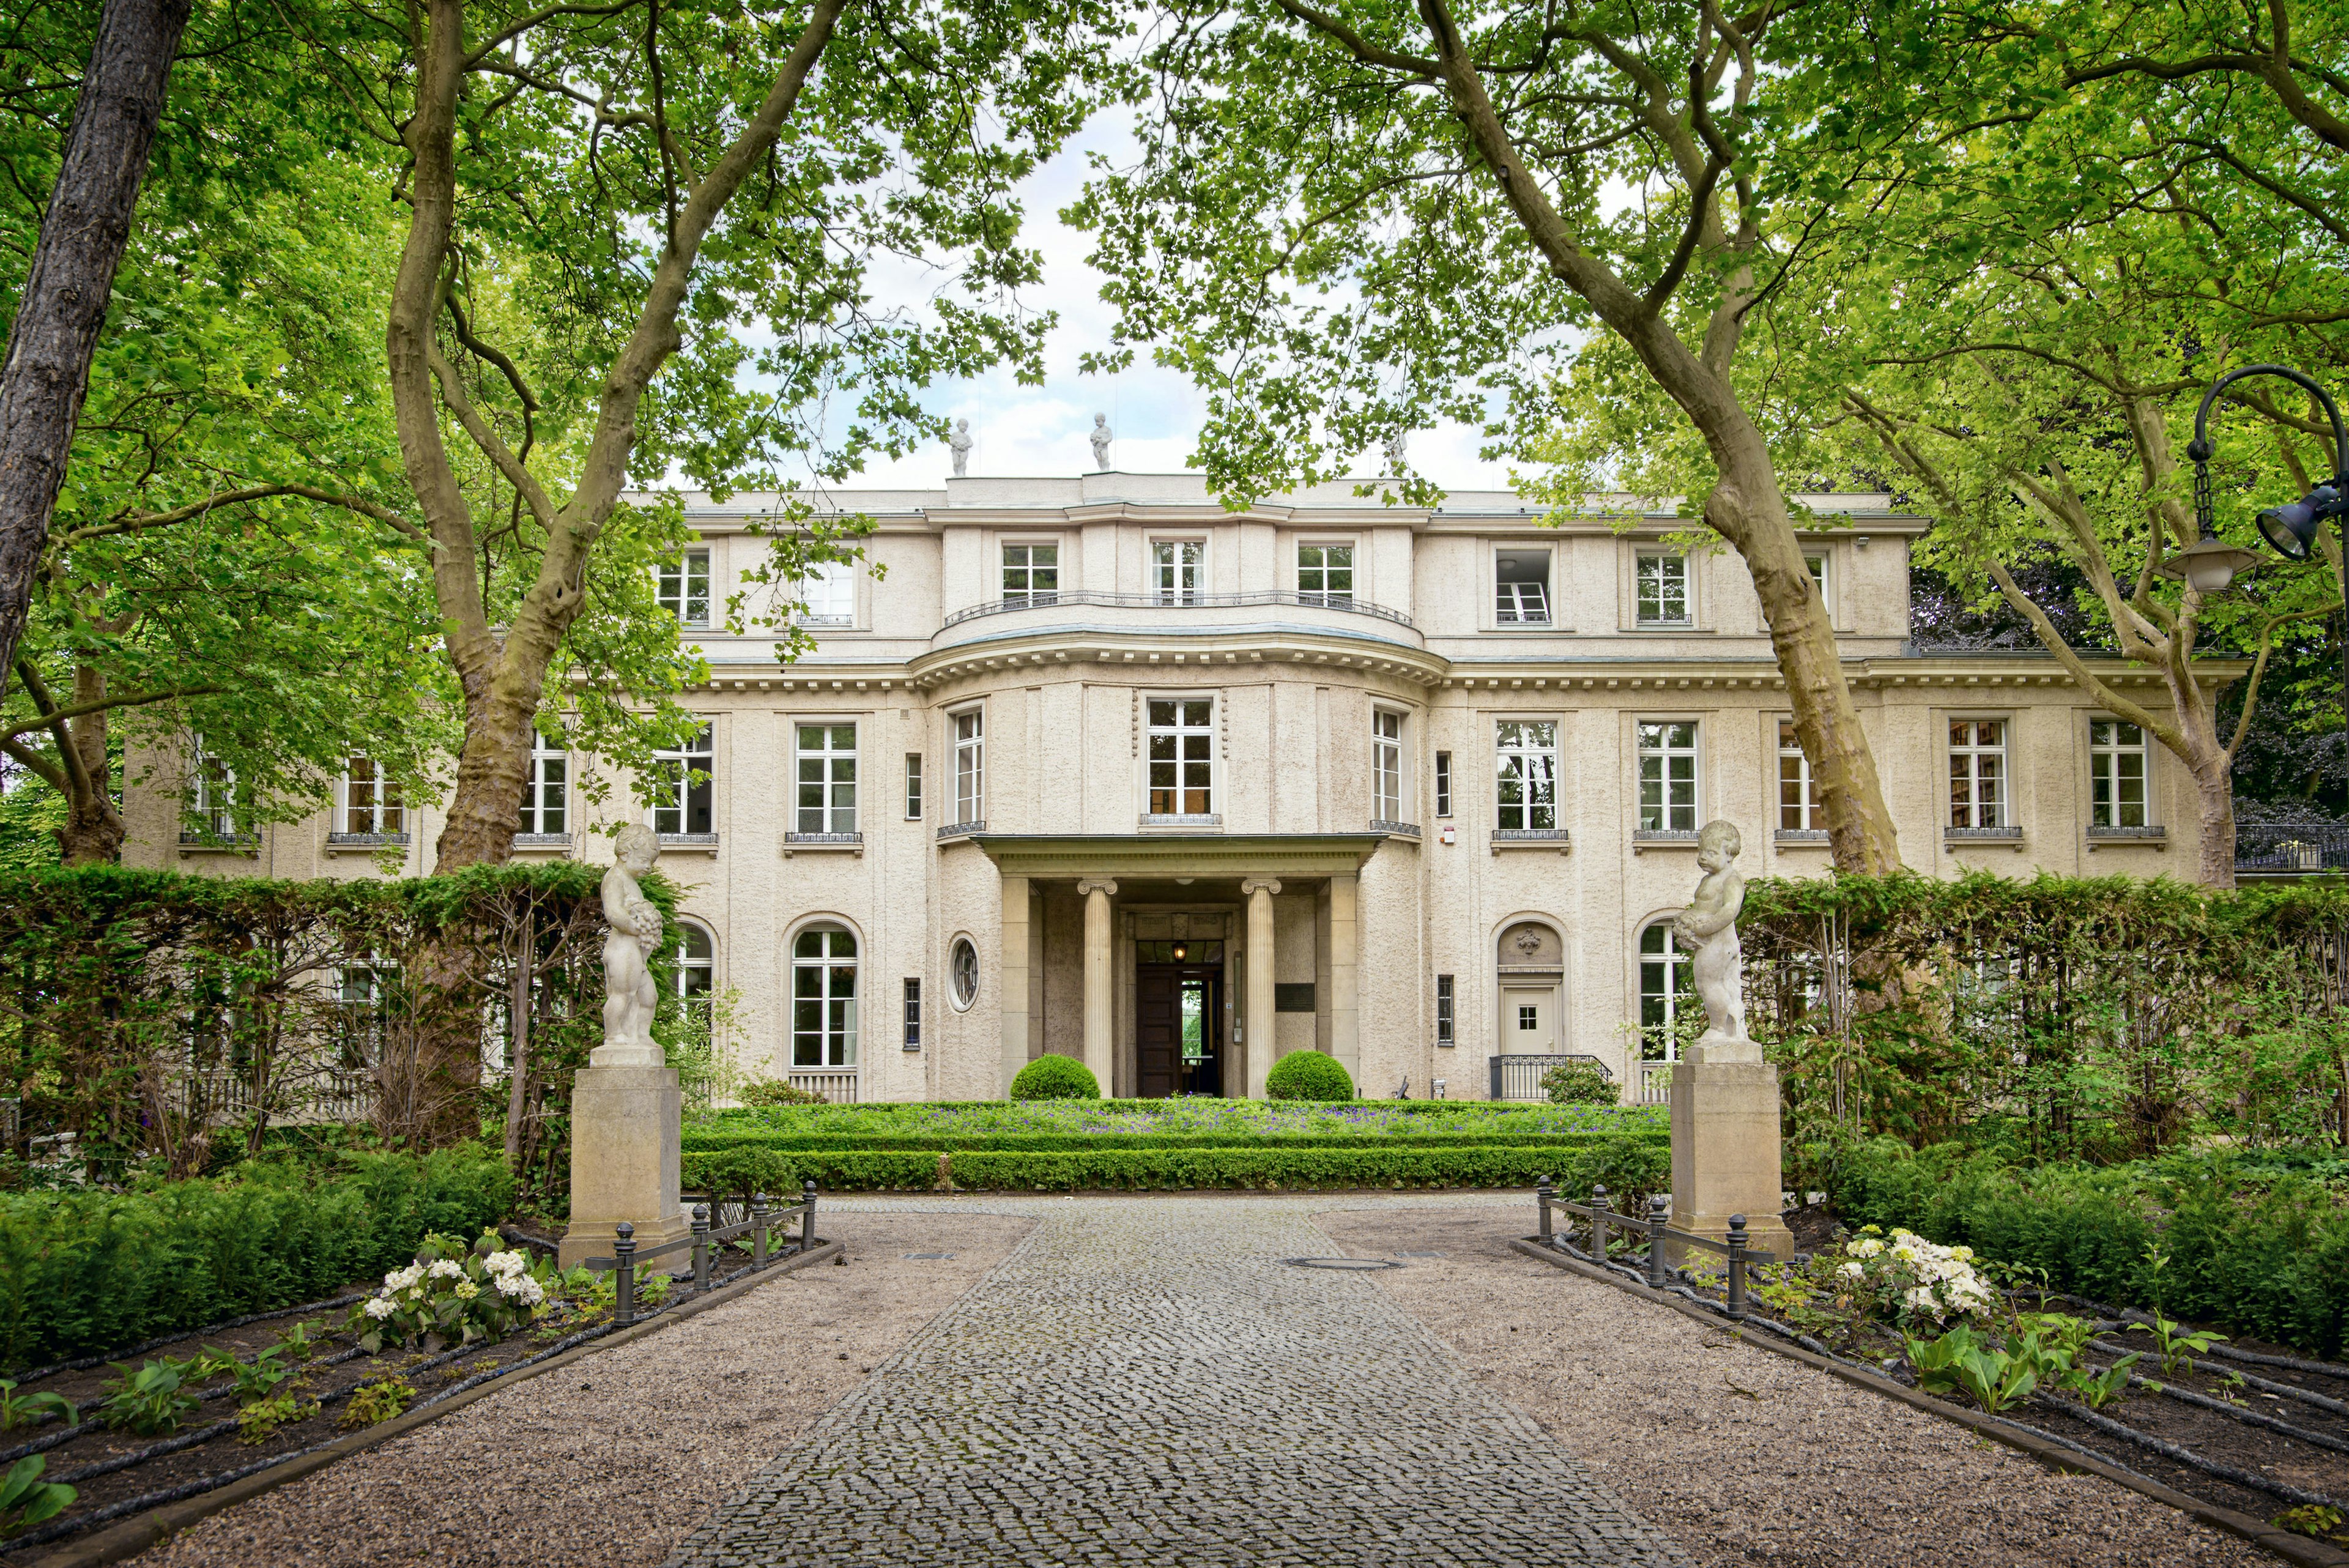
<point x="93" y="830"/>
<point x="2214" y="789"/>
<point x="46" y="370"/>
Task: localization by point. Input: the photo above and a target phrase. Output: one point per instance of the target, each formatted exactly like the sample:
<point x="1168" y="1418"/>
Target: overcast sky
<point x="1155" y="413"/>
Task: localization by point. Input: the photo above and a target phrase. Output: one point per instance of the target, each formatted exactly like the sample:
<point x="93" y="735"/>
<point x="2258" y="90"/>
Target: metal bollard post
<point x="701" y="1246"/>
<point x="1737" y="1268"/>
<point x="1599" y="1211"/>
<point x="807" y="1215"/>
<point x="1660" y="1209"/>
<point x="758" y="1229"/>
<point x="1542" y="1198"/>
<point x="623" y="1259"/>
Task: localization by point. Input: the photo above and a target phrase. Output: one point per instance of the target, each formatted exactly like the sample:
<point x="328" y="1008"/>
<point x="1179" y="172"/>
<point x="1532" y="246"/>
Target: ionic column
<point x="1099" y="1012"/>
<point x="1259" y="892"/>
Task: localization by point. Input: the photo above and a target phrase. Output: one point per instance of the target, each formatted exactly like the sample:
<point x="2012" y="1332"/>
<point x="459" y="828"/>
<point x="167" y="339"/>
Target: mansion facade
<point x="1096" y="766"/>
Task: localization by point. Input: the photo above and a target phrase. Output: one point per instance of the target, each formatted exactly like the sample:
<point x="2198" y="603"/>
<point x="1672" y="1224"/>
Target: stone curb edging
<point x="2297" y="1549"/>
<point x="133" y="1536"/>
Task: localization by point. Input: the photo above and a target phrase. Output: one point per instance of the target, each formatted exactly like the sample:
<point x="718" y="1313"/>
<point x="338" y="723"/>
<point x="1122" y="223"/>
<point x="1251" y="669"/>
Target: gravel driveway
<point x="616" y="1458"/>
<point x="1741" y="1455"/>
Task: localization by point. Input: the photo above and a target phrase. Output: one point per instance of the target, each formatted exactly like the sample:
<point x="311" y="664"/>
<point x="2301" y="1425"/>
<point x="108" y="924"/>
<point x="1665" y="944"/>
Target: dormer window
<point x="1521" y="588"/>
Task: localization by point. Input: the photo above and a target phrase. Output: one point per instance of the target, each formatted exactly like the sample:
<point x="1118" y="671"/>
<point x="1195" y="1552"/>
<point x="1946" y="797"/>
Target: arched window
<point x="824" y="998"/>
<point x="1667" y="994"/>
<point x="962" y="973"/>
<point x="696" y="973"/>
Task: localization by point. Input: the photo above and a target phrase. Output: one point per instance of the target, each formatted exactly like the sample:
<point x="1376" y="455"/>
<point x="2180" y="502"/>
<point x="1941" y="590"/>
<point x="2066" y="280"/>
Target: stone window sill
<point x="245" y="844"/>
<point x="822" y="843"/>
<point x="1802" y="839"/>
<point x="1646" y="838"/>
<point x="1985" y="837"/>
<point x="689" y="842"/>
<point x="1394" y="829"/>
<point x="1203" y="822"/>
<point x="1556" y="838"/>
<point x="364" y="842"/>
<point x="963" y="829"/>
<point x="525" y="843"/>
<point x="2142" y="837"/>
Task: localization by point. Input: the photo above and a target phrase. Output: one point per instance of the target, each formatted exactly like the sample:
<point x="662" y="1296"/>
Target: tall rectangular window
<point x="827" y="778"/>
<point x="970" y="765"/>
<point x="912" y="786"/>
<point x="1668" y="777"/>
<point x="1181" y="756"/>
<point x="1663" y="590"/>
<point x="1526" y="779"/>
<point x="1799" y="808"/>
<point x="1521" y="588"/>
<point x="1977" y="772"/>
<point x="1174" y="570"/>
<point x="1444" y="1025"/>
<point x="912" y="1015"/>
<point x="683" y="587"/>
<point x="371" y="804"/>
<point x="1325" y="573"/>
<point x="681" y="792"/>
<point x="1031" y="574"/>
<point x="1818" y="566"/>
<point x="1386" y="765"/>
<point x="828" y="594"/>
<point x="2115" y="775"/>
<point x="546" y="792"/>
<point x="215" y="793"/>
<point x="1444" y="784"/>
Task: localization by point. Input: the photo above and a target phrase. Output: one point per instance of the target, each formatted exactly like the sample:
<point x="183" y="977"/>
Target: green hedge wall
<point x="2255" y="1251"/>
<point x="1627" y="1166"/>
<point x="83" y="1273"/>
<point x="710" y="1139"/>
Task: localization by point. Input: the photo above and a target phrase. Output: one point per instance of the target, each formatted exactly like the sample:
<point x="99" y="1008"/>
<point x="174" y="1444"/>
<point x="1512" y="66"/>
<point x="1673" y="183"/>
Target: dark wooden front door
<point x="1173" y="1001"/>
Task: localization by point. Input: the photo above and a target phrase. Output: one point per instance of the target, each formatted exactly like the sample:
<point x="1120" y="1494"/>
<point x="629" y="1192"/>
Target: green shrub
<point x="711" y="1140"/>
<point x="742" y="1170"/>
<point x="1053" y="1077"/>
<point x="776" y="1091"/>
<point x="87" y="1271"/>
<point x="1580" y="1084"/>
<point x="1308" y="1076"/>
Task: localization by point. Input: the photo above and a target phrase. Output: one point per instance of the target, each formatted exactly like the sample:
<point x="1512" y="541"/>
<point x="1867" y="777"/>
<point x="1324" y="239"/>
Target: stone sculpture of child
<point x="1709" y="928"/>
<point x="629" y="995"/>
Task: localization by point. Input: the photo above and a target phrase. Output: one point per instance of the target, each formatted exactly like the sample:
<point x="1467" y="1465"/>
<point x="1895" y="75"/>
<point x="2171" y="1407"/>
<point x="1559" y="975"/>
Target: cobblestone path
<point x="1146" y="1382"/>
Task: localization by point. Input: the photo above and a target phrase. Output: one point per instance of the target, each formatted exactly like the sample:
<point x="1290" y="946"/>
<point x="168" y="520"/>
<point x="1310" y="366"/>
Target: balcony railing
<point x="2292" y="849"/>
<point x="1653" y="1085"/>
<point x="1518" y="1075"/>
<point x="1345" y="602"/>
<point x="837" y="1085"/>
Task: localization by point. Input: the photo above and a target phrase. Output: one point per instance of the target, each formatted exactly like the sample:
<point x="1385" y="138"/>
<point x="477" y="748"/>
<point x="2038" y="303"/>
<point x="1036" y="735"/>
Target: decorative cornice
<point x="1253" y="855"/>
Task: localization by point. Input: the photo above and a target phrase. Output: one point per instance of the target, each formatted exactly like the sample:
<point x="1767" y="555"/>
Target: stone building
<point x="1100" y="768"/>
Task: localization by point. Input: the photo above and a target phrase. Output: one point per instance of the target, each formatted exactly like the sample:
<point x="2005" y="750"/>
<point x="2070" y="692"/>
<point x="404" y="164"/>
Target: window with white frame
<point x="1799" y="808"/>
<point x="1666" y="992"/>
<point x="545" y="789"/>
<point x="1663" y="590"/>
<point x="1977" y="772"/>
<point x="1525" y="775"/>
<point x="2116" y="764"/>
<point x="214" y="789"/>
<point x="1031" y="574"/>
<point x="682" y="587"/>
<point x="1817" y="562"/>
<point x="1444" y="784"/>
<point x="1521" y="588"/>
<point x="1386" y="764"/>
<point x="970" y="765"/>
<point x="1181" y="756"/>
<point x="912" y="786"/>
<point x="696" y="976"/>
<point x="1668" y="777"/>
<point x="826" y="758"/>
<point x="1325" y="573"/>
<point x="828" y="594"/>
<point x="1174" y="570"/>
<point x="371" y="805"/>
<point x="824" y="998"/>
<point x="681" y="788"/>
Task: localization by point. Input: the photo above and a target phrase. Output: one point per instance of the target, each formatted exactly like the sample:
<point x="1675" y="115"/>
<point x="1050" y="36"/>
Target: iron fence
<point x="1656" y="1230"/>
<point x="2294" y="850"/>
<point x="1519" y="1076"/>
<point x="762" y="1220"/>
<point x="1328" y="601"/>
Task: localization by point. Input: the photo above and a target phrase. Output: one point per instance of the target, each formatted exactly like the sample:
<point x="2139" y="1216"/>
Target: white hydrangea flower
<point x="380" y="1309"/>
<point x="1866" y="1247"/>
<point x="1962" y="1254"/>
<point x="467" y="1289"/>
<point x="1854" y="1270"/>
<point x="400" y="1279"/>
<point x="447" y="1269"/>
<point x="533" y="1293"/>
<point x="505" y="1263"/>
<point x="511" y="1285"/>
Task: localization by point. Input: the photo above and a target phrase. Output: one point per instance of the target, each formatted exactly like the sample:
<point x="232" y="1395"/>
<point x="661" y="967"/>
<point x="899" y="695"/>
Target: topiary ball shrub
<point x="1049" y="1077"/>
<point x="1579" y="1083"/>
<point x="1308" y="1076"/>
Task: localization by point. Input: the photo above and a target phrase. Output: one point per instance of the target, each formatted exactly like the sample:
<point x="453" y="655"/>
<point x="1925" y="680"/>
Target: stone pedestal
<point x="1725" y="1145"/>
<point x="625" y="1124"/>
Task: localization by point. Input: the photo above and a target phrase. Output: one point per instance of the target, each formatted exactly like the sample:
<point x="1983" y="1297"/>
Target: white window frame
<point x="1808" y="807"/>
<point x="1668" y="564"/>
<point x="960" y="998"/>
<point x="1322" y="593"/>
<point x="1653" y="740"/>
<point x="549" y="772"/>
<point x="828" y="595"/>
<point x="1521" y="757"/>
<point x="1988" y="802"/>
<point x="683" y="589"/>
<point x="914" y="786"/>
<point x="1511" y="605"/>
<point x="1178" y="571"/>
<point x="2107" y="752"/>
<point x="1388" y="774"/>
<point x="834" y="1034"/>
<point x="1443" y="783"/>
<point x="697" y="975"/>
<point x="214" y="801"/>
<point x="966" y="743"/>
<point x="1027" y="593"/>
<point x="1822" y="564"/>
<point x="699" y="754"/>
<point x="1677" y="994"/>
<point x="1185" y="766"/>
<point x="384" y="813"/>
<point x="829" y="814"/>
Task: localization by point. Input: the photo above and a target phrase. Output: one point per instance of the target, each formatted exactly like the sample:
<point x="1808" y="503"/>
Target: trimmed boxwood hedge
<point x="1309" y="1076"/>
<point x="710" y="1139"/>
<point x="1631" y="1168"/>
<point x="1055" y="1077"/>
<point x="86" y="1272"/>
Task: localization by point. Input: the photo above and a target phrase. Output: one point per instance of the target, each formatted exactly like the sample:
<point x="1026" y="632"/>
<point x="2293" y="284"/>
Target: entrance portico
<point x="1280" y="911"/>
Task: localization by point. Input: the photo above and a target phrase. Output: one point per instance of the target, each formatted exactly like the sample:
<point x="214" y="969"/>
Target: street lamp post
<point x="2290" y="530"/>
